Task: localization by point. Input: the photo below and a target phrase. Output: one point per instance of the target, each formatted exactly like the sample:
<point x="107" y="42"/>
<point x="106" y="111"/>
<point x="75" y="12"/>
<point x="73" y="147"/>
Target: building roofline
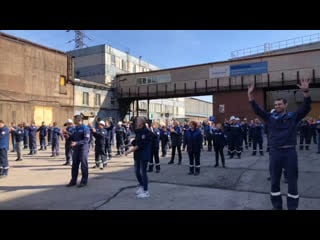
<point x="245" y="58"/>
<point x="22" y="40"/>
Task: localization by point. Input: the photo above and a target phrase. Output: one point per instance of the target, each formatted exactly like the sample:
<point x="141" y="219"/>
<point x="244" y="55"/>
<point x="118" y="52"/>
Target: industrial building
<point x="35" y="82"/>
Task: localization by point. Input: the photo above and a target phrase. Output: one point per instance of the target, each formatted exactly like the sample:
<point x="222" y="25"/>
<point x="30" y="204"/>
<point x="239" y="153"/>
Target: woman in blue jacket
<point x="193" y="141"/>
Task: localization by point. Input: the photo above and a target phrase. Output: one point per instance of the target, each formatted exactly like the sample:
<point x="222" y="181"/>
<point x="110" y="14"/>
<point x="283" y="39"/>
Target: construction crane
<point x="79" y="39"/>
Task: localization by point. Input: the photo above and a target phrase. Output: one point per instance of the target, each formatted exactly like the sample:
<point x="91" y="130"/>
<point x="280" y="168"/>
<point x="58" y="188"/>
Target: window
<point x="63" y="85"/>
<point x="123" y="65"/>
<point x="154" y="79"/>
<point x="98" y="100"/>
<point x="85" y="99"/>
<point x="63" y="81"/>
<point x="113" y="60"/>
<point x="134" y="68"/>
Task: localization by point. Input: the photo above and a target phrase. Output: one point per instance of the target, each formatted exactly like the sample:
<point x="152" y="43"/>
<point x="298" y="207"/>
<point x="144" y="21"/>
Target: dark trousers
<point x="209" y="140"/>
<point x="13" y="141"/>
<point x="245" y="140"/>
<point x="43" y="144"/>
<point x="304" y="138"/>
<point x="108" y="150"/>
<point x="100" y="155"/>
<point x="235" y="147"/>
<point x="49" y="138"/>
<point x="194" y="162"/>
<point x="219" y="150"/>
<point x="33" y="144"/>
<point x="174" y="153"/>
<point x="318" y="142"/>
<point x="140" y="167"/>
<point x="68" y="152"/>
<point x="155" y="156"/>
<point x="250" y="140"/>
<point x="285" y="158"/>
<point x="119" y="145"/>
<point x="255" y="142"/>
<point x="164" y="148"/>
<point x="25" y="141"/>
<point x="4" y="165"/>
<point x="80" y="155"/>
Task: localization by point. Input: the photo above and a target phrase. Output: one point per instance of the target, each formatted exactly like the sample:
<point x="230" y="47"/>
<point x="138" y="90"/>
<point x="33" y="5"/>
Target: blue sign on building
<point x="249" y="69"/>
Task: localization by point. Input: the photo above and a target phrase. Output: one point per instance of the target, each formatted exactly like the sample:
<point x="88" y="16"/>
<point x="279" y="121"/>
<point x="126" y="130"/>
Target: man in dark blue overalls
<point x="4" y="146"/>
<point x="56" y="134"/>
<point x="80" y="144"/>
<point x="100" y="134"/>
<point x="33" y="138"/>
<point x="283" y="140"/>
<point x="43" y="131"/>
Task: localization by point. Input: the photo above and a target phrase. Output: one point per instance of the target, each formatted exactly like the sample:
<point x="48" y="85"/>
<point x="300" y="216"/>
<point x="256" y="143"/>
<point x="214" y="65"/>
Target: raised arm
<point x="256" y="108"/>
<point x="305" y="107"/>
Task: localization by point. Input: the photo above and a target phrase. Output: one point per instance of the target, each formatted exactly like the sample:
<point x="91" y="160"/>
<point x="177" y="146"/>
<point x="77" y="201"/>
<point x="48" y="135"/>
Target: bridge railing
<point x="267" y="47"/>
<point x="193" y="87"/>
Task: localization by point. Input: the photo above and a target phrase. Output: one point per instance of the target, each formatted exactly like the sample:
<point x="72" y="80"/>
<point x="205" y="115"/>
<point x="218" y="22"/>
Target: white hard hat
<point x="69" y="121"/>
<point x="102" y="123"/>
<point x="120" y="123"/>
<point x="237" y="119"/>
<point x="232" y="118"/>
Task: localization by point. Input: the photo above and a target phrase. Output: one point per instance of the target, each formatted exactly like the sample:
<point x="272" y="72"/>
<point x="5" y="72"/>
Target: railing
<point x="196" y="87"/>
<point x="267" y="47"/>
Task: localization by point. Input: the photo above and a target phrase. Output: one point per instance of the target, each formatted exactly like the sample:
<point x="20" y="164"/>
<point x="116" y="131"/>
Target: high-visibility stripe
<point x="157" y="164"/>
<point x="150" y="163"/>
<point x="1" y="167"/>
<point x="275" y="193"/>
<point x="6" y="168"/>
<point x="198" y="166"/>
<point x="238" y="151"/>
<point x="191" y="165"/>
<point x="293" y="196"/>
<point x="254" y="150"/>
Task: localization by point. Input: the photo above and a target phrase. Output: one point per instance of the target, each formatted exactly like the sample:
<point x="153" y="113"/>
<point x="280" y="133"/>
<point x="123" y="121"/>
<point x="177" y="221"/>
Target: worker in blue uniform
<point x="100" y="134"/>
<point x="193" y="140"/>
<point x="164" y="138"/>
<point x="305" y="134"/>
<point x="155" y="148"/>
<point x="68" y="149"/>
<point x="19" y="134"/>
<point x="176" y="141"/>
<point x="43" y="132"/>
<point x="80" y="144"/>
<point x="25" y="135"/>
<point x="4" y="147"/>
<point x="235" y="138"/>
<point x="283" y="140"/>
<point x="33" y="138"/>
<point x="56" y="134"/>
<point x="219" y="141"/>
<point x="257" y="136"/>
<point x="141" y="148"/>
